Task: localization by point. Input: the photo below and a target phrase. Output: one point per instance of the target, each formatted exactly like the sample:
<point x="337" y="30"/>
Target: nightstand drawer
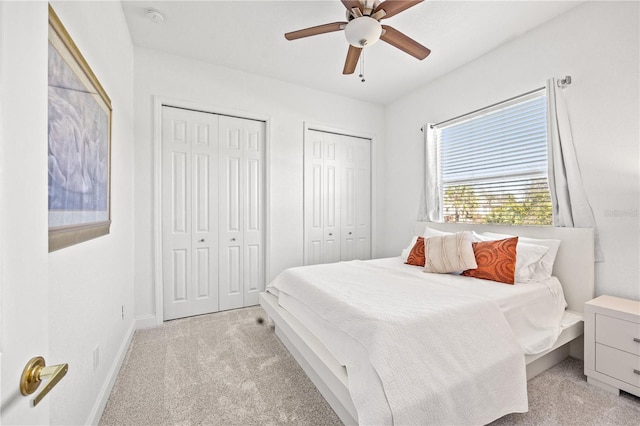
<point x="618" y="364"/>
<point x="618" y="333"/>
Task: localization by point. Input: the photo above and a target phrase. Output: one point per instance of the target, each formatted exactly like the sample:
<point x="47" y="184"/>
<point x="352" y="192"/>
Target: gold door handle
<point x="33" y="374"/>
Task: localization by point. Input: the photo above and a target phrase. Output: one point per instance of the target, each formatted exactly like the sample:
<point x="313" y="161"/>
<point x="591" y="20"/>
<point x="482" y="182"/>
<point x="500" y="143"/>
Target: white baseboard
<point x="103" y="396"/>
<point x="146" y="321"/>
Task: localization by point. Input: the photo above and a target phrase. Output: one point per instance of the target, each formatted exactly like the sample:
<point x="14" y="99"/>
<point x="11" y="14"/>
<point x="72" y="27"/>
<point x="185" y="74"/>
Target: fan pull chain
<point x="362" y="66"/>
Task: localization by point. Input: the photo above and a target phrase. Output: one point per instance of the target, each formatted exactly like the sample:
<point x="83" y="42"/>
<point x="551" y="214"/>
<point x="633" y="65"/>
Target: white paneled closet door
<point x="337" y="197"/>
<point x="212" y="212"/>
<point x="189" y="225"/>
<point x="313" y="204"/>
<point x="241" y="206"/>
<point x="331" y="198"/>
<point x="362" y="197"/>
<point x="322" y="198"/>
<point x="355" y="166"/>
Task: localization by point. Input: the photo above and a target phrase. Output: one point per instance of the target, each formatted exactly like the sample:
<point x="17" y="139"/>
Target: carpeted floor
<point x="226" y="369"/>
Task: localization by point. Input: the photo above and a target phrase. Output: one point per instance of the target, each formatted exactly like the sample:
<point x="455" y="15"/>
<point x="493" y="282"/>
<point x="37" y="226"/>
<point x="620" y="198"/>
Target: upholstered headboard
<point x="574" y="265"/>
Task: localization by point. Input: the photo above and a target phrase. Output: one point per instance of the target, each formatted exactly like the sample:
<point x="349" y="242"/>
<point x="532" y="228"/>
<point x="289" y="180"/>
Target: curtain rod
<point x="561" y="83"/>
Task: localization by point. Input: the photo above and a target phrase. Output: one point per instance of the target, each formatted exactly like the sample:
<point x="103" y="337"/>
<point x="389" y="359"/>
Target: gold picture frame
<point x="79" y="142"/>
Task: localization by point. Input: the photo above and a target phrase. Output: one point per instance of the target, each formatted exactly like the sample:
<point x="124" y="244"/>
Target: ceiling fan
<point x="364" y="29"/>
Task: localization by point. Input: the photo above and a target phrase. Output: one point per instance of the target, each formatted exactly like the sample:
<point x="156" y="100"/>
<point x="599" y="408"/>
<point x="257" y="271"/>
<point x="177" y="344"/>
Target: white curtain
<point x="571" y="207"/>
<point x="430" y="206"/>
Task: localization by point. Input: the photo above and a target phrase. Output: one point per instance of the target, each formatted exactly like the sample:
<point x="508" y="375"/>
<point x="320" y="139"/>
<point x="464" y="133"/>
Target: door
<point x="189" y="212"/>
<point x="355" y="224"/>
<point x="322" y="201"/>
<point x="337" y="197"/>
<point x="241" y="206"/>
<point x="331" y="197"/>
<point x="313" y="197"/>
<point x="362" y="148"/>
<point x="349" y="170"/>
<point x="24" y="295"/>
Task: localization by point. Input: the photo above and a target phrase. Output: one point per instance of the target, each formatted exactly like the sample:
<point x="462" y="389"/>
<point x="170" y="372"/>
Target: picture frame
<point x="79" y="145"/>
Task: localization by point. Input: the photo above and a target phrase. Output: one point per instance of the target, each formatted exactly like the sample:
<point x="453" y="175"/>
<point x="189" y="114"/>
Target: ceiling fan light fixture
<point x="363" y="31"/>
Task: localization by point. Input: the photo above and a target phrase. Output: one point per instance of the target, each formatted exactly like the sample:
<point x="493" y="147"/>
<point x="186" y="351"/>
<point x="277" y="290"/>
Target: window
<point x="493" y="165"/>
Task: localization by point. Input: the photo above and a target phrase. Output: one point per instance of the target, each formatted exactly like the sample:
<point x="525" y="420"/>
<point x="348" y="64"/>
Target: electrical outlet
<point x="96" y="357"/>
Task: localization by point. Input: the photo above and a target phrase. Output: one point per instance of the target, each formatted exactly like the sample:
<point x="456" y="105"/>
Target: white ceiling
<point x="249" y="36"/>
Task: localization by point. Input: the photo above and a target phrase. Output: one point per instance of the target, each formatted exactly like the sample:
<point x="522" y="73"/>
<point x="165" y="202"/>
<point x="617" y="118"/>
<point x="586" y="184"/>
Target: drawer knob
<point x="636" y="339"/>
<point x="636" y="371"/>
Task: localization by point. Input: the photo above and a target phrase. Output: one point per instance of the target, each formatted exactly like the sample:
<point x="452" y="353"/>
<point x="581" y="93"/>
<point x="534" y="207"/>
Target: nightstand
<point x="612" y="344"/>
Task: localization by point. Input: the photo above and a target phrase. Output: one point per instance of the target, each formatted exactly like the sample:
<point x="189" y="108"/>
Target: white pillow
<point x="405" y="252"/>
<point x="529" y="256"/>
<point x="544" y="268"/>
<point x="449" y="253"/>
<point x="430" y="232"/>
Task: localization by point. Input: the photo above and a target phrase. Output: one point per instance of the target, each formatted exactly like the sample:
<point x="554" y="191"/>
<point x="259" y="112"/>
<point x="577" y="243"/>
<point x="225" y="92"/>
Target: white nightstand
<point x="612" y="344"/>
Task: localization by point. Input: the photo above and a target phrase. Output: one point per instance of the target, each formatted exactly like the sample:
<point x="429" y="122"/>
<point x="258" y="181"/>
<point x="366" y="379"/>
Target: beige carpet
<point x="226" y="369"/>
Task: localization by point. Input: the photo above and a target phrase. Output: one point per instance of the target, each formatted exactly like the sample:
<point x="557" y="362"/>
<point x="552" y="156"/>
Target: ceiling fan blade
<point x="320" y="29"/>
<point x="352" y="59"/>
<point x="393" y="7"/>
<point x="350" y="4"/>
<point x="404" y="43"/>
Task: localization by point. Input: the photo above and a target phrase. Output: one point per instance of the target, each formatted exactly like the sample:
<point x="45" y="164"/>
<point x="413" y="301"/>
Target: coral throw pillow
<point x="496" y="260"/>
<point x="416" y="256"/>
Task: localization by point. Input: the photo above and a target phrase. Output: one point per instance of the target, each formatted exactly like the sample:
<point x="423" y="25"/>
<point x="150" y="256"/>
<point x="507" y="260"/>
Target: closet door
<point x="321" y="198"/>
<point x="337" y="197"/>
<point x="189" y="214"/>
<point x="356" y="198"/>
<point x="241" y="205"/>
<point x="313" y="203"/>
<point x="349" y="171"/>
<point x="331" y="198"/>
<point x="362" y="148"/>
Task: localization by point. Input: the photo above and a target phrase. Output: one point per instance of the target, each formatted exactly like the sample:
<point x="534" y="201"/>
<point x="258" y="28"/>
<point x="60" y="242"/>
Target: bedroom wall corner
<point x="92" y="282"/>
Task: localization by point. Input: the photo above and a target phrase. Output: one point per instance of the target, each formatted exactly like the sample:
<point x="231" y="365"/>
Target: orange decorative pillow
<point x="416" y="256"/>
<point x="496" y="260"/>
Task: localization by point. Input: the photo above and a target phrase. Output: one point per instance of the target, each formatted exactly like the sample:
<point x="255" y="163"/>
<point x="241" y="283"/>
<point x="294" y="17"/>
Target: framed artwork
<point x="79" y="140"/>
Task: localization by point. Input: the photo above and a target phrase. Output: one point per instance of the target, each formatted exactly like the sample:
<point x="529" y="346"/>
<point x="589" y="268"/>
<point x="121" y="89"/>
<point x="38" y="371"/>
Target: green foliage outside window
<point x="532" y="206"/>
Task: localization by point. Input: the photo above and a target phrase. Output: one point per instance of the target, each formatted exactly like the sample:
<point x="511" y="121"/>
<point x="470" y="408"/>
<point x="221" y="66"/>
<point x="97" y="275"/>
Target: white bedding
<point x="402" y="370"/>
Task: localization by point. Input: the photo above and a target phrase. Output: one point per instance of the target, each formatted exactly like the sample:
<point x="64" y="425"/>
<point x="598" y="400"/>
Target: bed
<point x="383" y="393"/>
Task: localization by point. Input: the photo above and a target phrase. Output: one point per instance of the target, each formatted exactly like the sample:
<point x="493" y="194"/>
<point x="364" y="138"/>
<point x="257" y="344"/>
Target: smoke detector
<point x="156" y="16"/>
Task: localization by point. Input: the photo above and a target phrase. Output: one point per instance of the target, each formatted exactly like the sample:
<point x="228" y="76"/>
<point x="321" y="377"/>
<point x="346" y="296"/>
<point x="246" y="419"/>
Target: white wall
<point x="90" y="282"/>
<point x="287" y="105"/>
<point x="597" y="43"/>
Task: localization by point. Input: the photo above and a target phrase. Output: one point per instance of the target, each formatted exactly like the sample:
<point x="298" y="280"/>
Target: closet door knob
<point x="233" y="239"/>
<point x="330" y="234"/>
<point x="350" y="233"/>
<point x="202" y="240"/>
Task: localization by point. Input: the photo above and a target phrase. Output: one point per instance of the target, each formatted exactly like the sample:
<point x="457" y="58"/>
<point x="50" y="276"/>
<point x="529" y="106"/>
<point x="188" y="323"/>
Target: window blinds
<point x="494" y="165"/>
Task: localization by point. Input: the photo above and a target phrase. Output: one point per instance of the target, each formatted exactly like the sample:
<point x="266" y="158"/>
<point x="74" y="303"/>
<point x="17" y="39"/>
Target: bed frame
<point x="574" y="267"/>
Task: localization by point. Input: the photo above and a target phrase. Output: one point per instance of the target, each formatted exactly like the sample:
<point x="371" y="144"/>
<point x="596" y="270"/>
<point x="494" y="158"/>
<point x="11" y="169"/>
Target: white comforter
<point x="435" y="355"/>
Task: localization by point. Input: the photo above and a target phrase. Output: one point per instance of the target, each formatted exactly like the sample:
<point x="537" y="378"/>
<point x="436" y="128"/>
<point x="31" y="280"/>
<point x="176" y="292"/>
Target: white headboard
<point x="574" y="265"/>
